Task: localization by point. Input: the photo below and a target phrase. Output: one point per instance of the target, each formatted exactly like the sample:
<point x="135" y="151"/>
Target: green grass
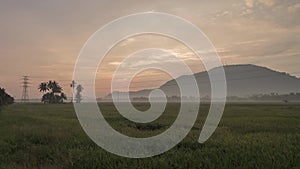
<point x="249" y="136"/>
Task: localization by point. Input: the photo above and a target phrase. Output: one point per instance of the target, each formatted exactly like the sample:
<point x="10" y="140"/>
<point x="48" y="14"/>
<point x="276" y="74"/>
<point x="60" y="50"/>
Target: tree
<point x="54" y="87"/>
<point x="43" y="87"/>
<point x="73" y="85"/>
<point x="78" y="94"/>
<point x="5" y="99"/>
<point x="54" y="94"/>
<point x="63" y="96"/>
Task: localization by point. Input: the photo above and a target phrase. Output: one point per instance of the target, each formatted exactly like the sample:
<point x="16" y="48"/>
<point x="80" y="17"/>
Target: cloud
<point x="267" y="2"/>
<point x="115" y="63"/>
<point x="294" y="8"/>
<point x="251" y="42"/>
<point x="280" y="46"/>
<point x="284" y="13"/>
<point x="249" y="3"/>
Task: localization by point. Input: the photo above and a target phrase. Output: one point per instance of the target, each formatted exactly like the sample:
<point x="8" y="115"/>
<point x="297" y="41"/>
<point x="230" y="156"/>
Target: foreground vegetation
<point x="249" y="136"/>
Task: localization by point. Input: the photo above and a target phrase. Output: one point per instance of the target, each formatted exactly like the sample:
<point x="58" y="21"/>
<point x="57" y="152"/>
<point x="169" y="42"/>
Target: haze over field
<point x="42" y="39"/>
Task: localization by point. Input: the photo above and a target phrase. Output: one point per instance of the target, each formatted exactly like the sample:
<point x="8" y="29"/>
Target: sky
<point x="42" y="39"/>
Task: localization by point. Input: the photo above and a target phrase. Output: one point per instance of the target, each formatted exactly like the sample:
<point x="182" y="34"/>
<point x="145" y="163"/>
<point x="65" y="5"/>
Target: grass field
<point x="249" y="136"/>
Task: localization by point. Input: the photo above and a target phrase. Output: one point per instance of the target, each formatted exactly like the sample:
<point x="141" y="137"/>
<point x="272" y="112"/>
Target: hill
<point x="242" y="81"/>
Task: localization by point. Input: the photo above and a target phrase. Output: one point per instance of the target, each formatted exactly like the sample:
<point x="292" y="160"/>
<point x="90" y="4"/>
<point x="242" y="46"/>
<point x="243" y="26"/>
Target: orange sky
<point x="43" y="39"/>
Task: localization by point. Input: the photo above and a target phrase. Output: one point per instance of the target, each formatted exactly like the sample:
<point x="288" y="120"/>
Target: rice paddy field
<point x="249" y="136"/>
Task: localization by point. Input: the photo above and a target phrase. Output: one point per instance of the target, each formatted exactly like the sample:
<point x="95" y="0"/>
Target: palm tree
<point x="63" y="96"/>
<point x="47" y="98"/>
<point x="53" y="95"/>
<point x="78" y="94"/>
<point x="79" y="88"/>
<point x="43" y="87"/>
<point x="54" y="87"/>
<point x="73" y="84"/>
<point x="50" y="84"/>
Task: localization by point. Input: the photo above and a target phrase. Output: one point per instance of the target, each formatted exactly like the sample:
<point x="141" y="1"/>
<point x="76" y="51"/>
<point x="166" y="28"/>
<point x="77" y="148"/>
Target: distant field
<point x="249" y="136"/>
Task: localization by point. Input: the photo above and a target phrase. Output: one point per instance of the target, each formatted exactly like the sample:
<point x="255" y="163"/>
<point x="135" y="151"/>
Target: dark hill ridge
<point x="242" y="80"/>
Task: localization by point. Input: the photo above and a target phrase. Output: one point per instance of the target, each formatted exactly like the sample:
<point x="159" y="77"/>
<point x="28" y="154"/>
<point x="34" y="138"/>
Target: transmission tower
<point x="25" y="85"/>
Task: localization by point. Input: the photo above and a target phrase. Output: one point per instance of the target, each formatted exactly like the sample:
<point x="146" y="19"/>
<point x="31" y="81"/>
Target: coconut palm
<point x="72" y="85"/>
<point x="79" y="88"/>
<point x="63" y="96"/>
<point x="55" y="94"/>
<point x="78" y="94"/>
<point x="43" y="87"/>
<point x="54" y="87"/>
